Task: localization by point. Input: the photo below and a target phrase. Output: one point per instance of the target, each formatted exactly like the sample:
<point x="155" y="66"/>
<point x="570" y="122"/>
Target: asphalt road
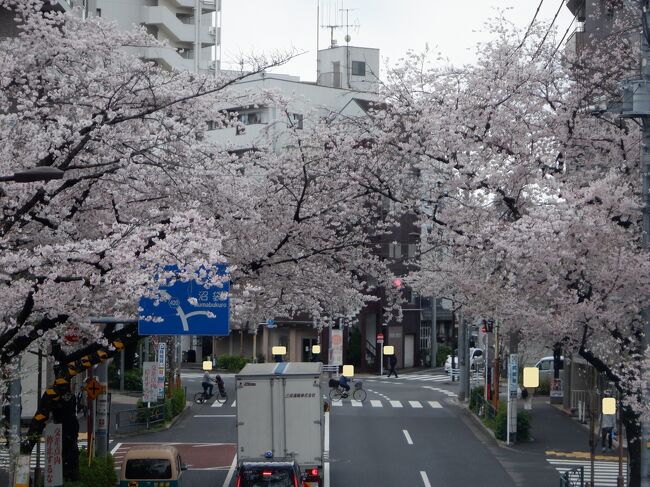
<point x="407" y="432"/>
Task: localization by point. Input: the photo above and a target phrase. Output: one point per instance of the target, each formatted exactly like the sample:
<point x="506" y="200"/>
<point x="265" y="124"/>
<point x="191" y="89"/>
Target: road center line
<point x="408" y="437"/>
<point x="425" y="479"/>
<point x="231" y="472"/>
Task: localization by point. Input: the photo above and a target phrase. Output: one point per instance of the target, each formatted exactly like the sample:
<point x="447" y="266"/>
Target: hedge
<point x="441" y="355"/>
<point x="233" y="363"/>
<point x="100" y="473"/>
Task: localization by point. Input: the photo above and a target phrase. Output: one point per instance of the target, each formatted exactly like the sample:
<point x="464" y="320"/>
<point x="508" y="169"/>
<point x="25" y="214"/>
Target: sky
<point x="453" y="27"/>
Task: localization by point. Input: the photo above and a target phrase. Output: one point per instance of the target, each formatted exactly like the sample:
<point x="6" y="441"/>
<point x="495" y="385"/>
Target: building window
<point x="251" y="118"/>
<point x="212" y="125"/>
<point x="358" y="68"/>
<point x="99" y="12"/>
<point x="186" y="18"/>
<point x="295" y="120"/>
<point x="395" y="250"/>
<point x="336" y="74"/>
<point x="425" y="335"/>
<point x="410" y="252"/>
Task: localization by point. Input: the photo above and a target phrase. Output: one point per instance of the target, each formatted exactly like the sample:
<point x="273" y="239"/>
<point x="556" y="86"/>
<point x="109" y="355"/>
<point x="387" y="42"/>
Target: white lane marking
<point x="326" y="447"/>
<point x="337" y="403"/>
<point x="415" y="404"/>
<point x="115" y="448"/>
<point x="214" y="416"/>
<point x="396" y="404"/>
<point x="376" y="403"/>
<point x="234" y="403"/>
<point x="435" y="404"/>
<point x="408" y="437"/>
<point x="231" y="472"/>
<point x="216" y="404"/>
<point x="356" y="404"/>
<point x="425" y="479"/>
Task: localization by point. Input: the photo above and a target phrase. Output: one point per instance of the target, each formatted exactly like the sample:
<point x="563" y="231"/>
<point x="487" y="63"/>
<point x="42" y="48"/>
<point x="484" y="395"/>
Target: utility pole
<point x="636" y="104"/>
<point x="462" y="359"/>
<point x="15" y="391"/>
<point x="434" y="331"/>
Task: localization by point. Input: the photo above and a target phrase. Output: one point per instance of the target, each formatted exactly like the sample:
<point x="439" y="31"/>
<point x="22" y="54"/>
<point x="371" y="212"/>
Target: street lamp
<point x="41" y="173"/>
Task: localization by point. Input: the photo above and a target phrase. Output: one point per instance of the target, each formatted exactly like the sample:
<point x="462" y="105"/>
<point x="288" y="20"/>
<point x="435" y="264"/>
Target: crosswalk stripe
<point x="605" y="473"/>
<point x="337" y="403"/>
<point x="234" y="403"/>
<point x="395" y="404"/>
<point x="216" y="404"/>
<point x="415" y="404"/>
<point x="435" y="404"/>
<point x="376" y="403"/>
<point x="356" y="404"/>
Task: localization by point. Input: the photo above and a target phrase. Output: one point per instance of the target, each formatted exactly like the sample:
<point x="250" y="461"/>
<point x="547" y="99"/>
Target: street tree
<point x="146" y="186"/>
<point x="530" y="195"/>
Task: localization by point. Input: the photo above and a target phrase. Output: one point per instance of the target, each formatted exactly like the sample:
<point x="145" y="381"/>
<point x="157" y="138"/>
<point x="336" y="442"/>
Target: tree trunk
<point x="633" y="432"/>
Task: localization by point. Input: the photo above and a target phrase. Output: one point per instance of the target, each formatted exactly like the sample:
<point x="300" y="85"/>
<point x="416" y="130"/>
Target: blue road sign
<point x="191" y="309"/>
<point x="270" y="323"/>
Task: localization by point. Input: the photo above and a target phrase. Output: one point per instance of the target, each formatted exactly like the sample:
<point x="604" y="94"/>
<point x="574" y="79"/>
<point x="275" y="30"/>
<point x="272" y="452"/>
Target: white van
<point x="545" y="366"/>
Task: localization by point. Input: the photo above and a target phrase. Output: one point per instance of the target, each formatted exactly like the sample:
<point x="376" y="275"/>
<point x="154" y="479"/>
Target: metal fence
<point x="573" y="478"/>
<point x="132" y="420"/>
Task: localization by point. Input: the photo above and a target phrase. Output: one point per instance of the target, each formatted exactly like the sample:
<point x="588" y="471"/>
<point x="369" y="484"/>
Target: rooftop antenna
<point x="347" y="42"/>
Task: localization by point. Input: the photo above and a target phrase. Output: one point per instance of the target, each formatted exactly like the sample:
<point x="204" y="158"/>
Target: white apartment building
<point x="191" y="28"/>
<point x="347" y="83"/>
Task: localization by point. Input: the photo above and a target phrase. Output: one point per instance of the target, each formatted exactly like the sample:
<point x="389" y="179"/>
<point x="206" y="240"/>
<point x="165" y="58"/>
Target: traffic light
<point x="487" y="326"/>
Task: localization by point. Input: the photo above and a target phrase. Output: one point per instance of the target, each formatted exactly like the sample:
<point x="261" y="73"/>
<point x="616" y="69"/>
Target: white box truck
<point x="280" y="424"/>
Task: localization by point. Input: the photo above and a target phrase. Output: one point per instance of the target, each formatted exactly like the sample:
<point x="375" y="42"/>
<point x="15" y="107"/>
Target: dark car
<point x="268" y="474"/>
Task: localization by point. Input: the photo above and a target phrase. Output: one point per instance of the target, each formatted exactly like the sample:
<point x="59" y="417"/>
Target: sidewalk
<point x="555" y="435"/>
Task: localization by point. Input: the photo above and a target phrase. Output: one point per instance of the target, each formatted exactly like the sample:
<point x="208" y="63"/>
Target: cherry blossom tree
<point x="530" y="199"/>
<point x="145" y="186"/>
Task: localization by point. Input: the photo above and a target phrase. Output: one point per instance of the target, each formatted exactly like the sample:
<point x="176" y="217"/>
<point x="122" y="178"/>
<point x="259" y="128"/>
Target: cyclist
<point x="344" y="383"/>
<point x="207" y="384"/>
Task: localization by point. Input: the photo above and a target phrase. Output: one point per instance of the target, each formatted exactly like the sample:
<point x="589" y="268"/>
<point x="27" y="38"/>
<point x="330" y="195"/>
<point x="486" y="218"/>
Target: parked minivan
<point x="545" y="366"/>
<point x="146" y="466"/>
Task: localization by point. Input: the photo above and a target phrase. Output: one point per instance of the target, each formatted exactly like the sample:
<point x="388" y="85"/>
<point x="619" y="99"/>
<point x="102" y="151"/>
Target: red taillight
<point x="238" y="480"/>
<point x="267" y="473"/>
<point x="295" y="480"/>
<point x="314" y="472"/>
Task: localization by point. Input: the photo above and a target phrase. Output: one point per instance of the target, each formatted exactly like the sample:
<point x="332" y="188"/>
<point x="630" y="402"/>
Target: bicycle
<point x="221" y="394"/>
<point x="337" y="393"/>
<point x="202" y="397"/>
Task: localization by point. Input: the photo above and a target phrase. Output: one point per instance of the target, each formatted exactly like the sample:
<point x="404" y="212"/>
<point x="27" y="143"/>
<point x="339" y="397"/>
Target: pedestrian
<point x="392" y="361"/>
<point x="607" y="422"/>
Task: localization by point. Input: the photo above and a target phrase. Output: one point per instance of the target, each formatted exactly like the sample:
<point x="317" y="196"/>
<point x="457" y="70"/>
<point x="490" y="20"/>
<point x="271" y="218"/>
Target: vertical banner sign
<point x="149" y="382"/>
<point x="102" y="417"/>
<point x="337" y="348"/>
<point x="513" y="376"/>
<point x="53" y="462"/>
<point x="162" y="357"/>
<point x="21" y="477"/>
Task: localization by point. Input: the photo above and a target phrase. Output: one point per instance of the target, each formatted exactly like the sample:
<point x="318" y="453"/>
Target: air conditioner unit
<point x="212" y="31"/>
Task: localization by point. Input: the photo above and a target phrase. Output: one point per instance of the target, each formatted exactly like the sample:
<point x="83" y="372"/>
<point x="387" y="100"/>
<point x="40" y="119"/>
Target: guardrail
<point x="573" y="478"/>
<point x="131" y="420"/>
